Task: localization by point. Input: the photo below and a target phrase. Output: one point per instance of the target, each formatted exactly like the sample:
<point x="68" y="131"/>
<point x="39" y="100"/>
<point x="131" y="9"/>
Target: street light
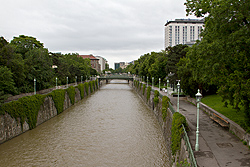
<point x="198" y="98"/>
<point x="167" y="85"/>
<point x="34" y="86"/>
<point x="147" y="81"/>
<point x="81" y="79"/>
<point x="67" y="82"/>
<point x="178" y="101"/>
<point x="159" y="84"/>
<point x="152" y="82"/>
<point x="56" y="82"/>
<point x="76" y="80"/>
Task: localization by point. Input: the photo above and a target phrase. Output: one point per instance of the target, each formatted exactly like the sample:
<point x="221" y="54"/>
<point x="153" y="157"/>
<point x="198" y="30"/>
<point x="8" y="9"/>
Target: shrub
<point x="81" y="89"/>
<point x="148" y="92"/>
<point x="58" y="97"/>
<point x="86" y="86"/>
<point x="71" y="92"/>
<point x="165" y="106"/>
<point x="156" y="97"/>
<point x="177" y="131"/>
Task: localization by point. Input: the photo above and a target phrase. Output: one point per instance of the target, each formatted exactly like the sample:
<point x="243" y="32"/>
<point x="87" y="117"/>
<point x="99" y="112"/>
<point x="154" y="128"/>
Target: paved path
<point x="218" y="147"/>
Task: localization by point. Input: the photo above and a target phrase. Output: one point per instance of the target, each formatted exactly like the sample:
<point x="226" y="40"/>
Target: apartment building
<point x="183" y="31"/>
<point x="102" y="62"/>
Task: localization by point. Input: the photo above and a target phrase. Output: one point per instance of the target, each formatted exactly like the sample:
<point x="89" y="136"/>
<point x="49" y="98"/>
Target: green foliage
<point x="165" y="105"/>
<point x="58" y="97"/>
<point x="140" y="85"/>
<point x="143" y="89"/>
<point x="177" y="131"/>
<point x="81" y="89"/>
<point x="216" y="103"/>
<point x="6" y="81"/>
<point x="26" y="107"/>
<point x="91" y="86"/>
<point x="71" y="92"/>
<point x="148" y="92"/>
<point x="183" y="163"/>
<point x="156" y="97"/>
<point x="86" y="86"/>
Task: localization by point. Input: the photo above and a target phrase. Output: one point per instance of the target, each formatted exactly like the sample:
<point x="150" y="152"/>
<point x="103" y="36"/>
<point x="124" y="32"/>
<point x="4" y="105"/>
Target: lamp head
<point x="198" y="96"/>
<point x="178" y="85"/>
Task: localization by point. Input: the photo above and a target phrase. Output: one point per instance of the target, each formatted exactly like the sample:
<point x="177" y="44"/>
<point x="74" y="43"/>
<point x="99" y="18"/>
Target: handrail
<point x="189" y="148"/>
<point x="171" y="108"/>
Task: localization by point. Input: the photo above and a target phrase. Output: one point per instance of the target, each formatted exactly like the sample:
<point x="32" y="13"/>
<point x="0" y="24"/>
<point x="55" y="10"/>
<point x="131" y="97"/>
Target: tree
<point x="223" y="54"/>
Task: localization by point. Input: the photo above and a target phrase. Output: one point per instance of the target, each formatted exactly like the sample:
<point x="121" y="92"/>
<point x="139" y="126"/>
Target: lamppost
<point x="56" y="82"/>
<point x="34" y="86"/>
<point x="147" y="81"/>
<point x="152" y="82"/>
<point x="81" y="79"/>
<point x="86" y="78"/>
<point x="167" y="85"/>
<point x="76" y="80"/>
<point x="159" y="84"/>
<point x="198" y="98"/>
<point x="67" y="82"/>
<point x="178" y="101"/>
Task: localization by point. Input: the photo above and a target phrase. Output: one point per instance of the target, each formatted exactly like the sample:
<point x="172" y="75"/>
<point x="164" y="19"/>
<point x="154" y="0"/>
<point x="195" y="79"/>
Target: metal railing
<point x="189" y="148"/>
<point x="171" y="108"/>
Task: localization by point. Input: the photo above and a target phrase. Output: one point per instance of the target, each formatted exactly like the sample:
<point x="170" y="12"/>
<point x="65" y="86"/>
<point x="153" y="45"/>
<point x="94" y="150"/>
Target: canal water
<point x="112" y="127"/>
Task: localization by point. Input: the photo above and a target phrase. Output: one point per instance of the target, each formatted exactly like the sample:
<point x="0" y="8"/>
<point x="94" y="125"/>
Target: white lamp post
<point x="159" y="84"/>
<point x="76" y="80"/>
<point x="198" y="98"/>
<point x="167" y="86"/>
<point x="147" y="81"/>
<point x="67" y="82"/>
<point x="81" y="79"/>
<point x="178" y="101"/>
<point x="152" y="82"/>
<point x="34" y="86"/>
<point x="56" y="82"/>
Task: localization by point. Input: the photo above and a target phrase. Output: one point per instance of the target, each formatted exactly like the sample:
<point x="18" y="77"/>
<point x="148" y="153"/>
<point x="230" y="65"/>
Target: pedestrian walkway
<point x="217" y="146"/>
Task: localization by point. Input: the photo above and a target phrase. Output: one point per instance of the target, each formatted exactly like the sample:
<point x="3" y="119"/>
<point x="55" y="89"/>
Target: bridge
<point x="127" y="77"/>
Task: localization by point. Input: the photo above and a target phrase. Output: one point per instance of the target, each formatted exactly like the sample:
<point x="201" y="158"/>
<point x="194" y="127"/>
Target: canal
<point x="112" y="127"/>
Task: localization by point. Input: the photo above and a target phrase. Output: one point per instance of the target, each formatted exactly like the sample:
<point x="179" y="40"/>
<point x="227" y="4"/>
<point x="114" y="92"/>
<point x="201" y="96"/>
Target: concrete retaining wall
<point x="11" y="127"/>
<point x="165" y="125"/>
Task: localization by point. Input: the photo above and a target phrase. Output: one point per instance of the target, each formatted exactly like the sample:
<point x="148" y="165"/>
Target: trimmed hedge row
<point x="28" y="107"/>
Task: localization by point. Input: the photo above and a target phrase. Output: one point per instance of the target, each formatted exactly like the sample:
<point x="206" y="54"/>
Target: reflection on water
<point x="112" y="127"/>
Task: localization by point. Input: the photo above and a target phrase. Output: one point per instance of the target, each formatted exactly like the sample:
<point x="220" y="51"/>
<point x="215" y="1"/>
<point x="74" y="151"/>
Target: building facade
<point x="182" y="31"/>
<point x="94" y="62"/>
<point x="102" y="62"/>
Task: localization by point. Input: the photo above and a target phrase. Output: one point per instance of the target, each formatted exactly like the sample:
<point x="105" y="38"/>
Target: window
<point x="184" y="34"/>
<point x="170" y="35"/>
<point x="199" y="31"/>
<point x="191" y="33"/>
<point x="177" y="35"/>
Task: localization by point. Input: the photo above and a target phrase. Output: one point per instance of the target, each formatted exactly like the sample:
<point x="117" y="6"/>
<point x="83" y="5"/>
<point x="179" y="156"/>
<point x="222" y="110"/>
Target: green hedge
<point x="86" y="86"/>
<point x="81" y="89"/>
<point x="148" y="92"/>
<point x="177" y="131"/>
<point x="25" y="107"/>
<point x="58" y="97"/>
<point x="165" y="106"/>
<point x="71" y="92"/>
<point x="156" y="97"/>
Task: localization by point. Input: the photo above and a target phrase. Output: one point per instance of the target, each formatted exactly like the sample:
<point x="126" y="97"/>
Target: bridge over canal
<point x="127" y="77"/>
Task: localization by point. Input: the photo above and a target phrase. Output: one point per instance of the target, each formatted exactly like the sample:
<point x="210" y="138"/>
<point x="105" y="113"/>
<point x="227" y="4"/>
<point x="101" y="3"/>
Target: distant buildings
<point x="123" y="65"/>
<point x="94" y="62"/>
<point x="182" y="31"/>
<point x="102" y="62"/>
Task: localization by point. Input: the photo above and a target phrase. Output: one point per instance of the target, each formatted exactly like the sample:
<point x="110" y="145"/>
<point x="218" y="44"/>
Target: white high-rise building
<point x="183" y="31"/>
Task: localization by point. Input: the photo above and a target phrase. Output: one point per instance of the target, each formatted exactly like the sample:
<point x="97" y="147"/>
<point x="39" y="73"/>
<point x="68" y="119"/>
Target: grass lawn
<point x="215" y="102"/>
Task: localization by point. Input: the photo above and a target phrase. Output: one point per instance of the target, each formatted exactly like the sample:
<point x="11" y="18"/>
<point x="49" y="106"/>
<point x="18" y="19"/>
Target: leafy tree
<point x="223" y="54"/>
<point x="6" y="81"/>
<point x="25" y="43"/>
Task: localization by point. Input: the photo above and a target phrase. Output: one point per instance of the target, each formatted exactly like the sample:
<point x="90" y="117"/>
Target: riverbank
<point x="26" y="113"/>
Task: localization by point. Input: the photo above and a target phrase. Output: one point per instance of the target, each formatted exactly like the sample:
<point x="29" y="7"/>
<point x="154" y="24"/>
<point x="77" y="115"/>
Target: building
<point x="94" y="62"/>
<point x="117" y="65"/>
<point x="183" y="31"/>
<point x="102" y="62"/>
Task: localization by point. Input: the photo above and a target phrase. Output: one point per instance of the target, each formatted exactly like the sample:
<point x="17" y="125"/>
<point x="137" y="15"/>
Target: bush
<point x="71" y="92"/>
<point x="156" y="97"/>
<point x="177" y="131"/>
<point x="58" y="97"/>
<point x="86" y="86"/>
<point x="165" y="106"/>
<point x="148" y="92"/>
<point x="81" y="89"/>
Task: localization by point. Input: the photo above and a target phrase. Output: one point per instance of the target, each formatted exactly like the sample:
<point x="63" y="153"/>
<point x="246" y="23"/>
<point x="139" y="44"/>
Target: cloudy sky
<point x="118" y="30"/>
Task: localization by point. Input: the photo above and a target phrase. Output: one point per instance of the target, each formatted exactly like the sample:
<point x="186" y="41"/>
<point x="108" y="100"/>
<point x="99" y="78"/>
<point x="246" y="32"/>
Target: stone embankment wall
<point x="11" y="127"/>
<point x="233" y="127"/>
<point x="165" y="125"/>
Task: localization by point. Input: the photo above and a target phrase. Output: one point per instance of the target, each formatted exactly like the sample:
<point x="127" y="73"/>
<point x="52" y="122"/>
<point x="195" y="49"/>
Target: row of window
<point x="184" y="34"/>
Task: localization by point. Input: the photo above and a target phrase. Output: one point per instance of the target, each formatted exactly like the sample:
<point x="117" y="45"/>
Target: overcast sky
<point x="118" y="30"/>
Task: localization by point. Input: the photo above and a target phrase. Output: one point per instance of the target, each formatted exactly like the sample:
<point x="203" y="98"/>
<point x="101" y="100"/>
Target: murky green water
<point x="112" y="127"/>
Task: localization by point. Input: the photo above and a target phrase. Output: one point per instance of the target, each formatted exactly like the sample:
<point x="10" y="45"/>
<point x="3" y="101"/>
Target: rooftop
<point x="185" y="21"/>
<point x="91" y="57"/>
